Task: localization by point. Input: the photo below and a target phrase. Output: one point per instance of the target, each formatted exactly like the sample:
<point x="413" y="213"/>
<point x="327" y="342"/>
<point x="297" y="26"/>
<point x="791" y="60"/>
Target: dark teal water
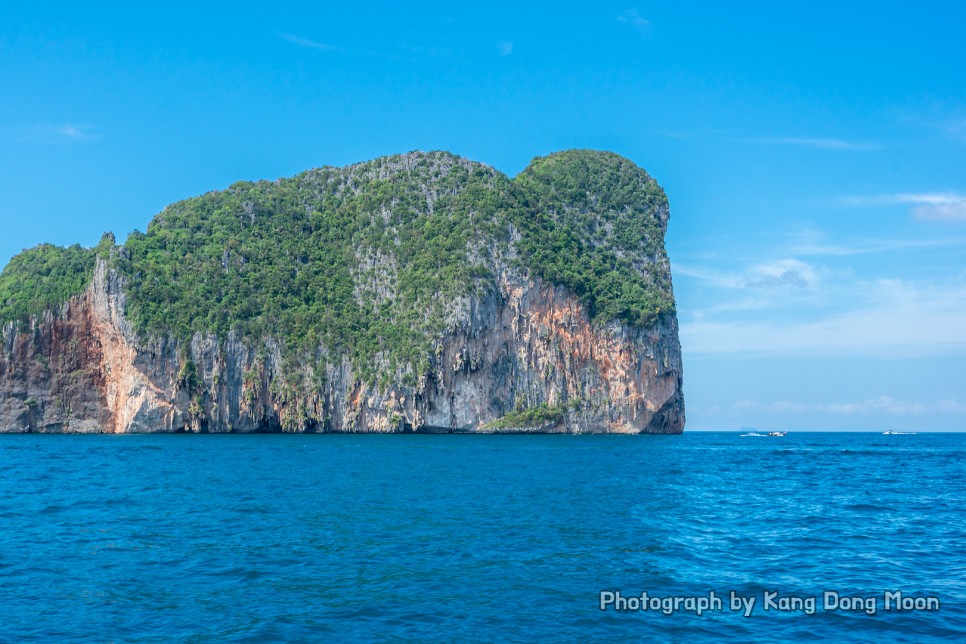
<point x="475" y="538"/>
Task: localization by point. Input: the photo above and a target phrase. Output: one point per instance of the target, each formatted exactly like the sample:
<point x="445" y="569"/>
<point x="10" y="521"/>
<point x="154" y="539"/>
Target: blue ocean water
<point x="477" y="538"/>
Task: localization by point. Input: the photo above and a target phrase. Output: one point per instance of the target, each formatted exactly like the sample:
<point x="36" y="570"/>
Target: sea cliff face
<point x="82" y="369"/>
<point x="516" y="341"/>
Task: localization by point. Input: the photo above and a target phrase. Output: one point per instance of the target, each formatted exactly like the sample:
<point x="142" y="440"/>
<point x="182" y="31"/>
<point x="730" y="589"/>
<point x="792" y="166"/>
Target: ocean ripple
<point x="475" y="538"/>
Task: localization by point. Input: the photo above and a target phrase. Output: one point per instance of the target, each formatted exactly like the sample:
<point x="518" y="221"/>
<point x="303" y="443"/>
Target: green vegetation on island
<point x="531" y="417"/>
<point x="43" y="278"/>
<point x="369" y="261"/>
<point x="590" y="221"/>
<point x="365" y="261"/>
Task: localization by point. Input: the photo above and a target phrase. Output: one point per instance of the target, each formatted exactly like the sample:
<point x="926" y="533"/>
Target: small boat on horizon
<point x="892" y="432"/>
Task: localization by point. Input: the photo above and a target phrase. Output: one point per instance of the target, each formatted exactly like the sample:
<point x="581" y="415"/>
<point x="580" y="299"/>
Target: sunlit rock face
<point x="515" y="342"/>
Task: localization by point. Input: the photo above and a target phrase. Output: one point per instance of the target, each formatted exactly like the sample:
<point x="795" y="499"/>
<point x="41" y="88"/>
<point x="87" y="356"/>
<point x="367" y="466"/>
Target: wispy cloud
<point x="633" y="18"/>
<point x="393" y="52"/>
<point x="936" y="206"/>
<point x="942" y="207"/>
<point x="882" y="404"/>
<point x="779" y="273"/>
<point x="800" y="304"/>
<point x="75" y="132"/>
<point x="951" y="406"/>
<point x="712" y="276"/>
<point x="50" y="133"/>
<point x="305" y="42"/>
<point x="948" y="119"/>
<point x="884" y="318"/>
<point x="784" y="272"/>
<point x="504" y="48"/>
<point x="870" y="246"/>
<point x="816" y="142"/>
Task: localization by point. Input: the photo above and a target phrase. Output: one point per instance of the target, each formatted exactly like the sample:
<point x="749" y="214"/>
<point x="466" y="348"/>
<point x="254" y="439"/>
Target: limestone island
<point x="419" y="292"/>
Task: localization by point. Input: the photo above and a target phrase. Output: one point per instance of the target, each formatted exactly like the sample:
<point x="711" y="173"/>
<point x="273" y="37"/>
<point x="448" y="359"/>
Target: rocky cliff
<point x="514" y="340"/>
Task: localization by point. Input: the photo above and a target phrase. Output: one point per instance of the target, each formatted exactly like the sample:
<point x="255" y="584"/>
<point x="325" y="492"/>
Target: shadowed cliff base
<point x="413" y="293"/>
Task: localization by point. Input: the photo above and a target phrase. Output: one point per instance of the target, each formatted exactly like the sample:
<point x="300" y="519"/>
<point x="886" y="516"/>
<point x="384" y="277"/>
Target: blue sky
<point x="813" y="154"/>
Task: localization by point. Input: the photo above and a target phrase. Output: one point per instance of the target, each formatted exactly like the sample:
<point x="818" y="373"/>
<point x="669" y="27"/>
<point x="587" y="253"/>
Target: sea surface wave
<point x="259" y="538"/>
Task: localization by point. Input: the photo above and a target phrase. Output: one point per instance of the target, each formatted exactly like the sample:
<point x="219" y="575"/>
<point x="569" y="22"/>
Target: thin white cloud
<point x="633" y="18"/>
<point x="882" y="404"/>
<point x="951" y="406"/>
<point x="942" y="212"/>
<point x="779" y="273"/>
<point x="783" y="272"/>
<point x="869" y="246"/>
<point x="75" y="132"/>
<point x="817" y="142"/>
<point x="886" y="318"/>
<point x="732" y="306"/>
<point x="950" y="207"/>
<point x="936" y="206"/>
<point x="504" y="48"/>
<point x="948" y="120"/>
<point x="50" y="133"/>
<point x="305" y="42"/>
<point x="711" y="276"/>
<point x="810" y="242"/>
